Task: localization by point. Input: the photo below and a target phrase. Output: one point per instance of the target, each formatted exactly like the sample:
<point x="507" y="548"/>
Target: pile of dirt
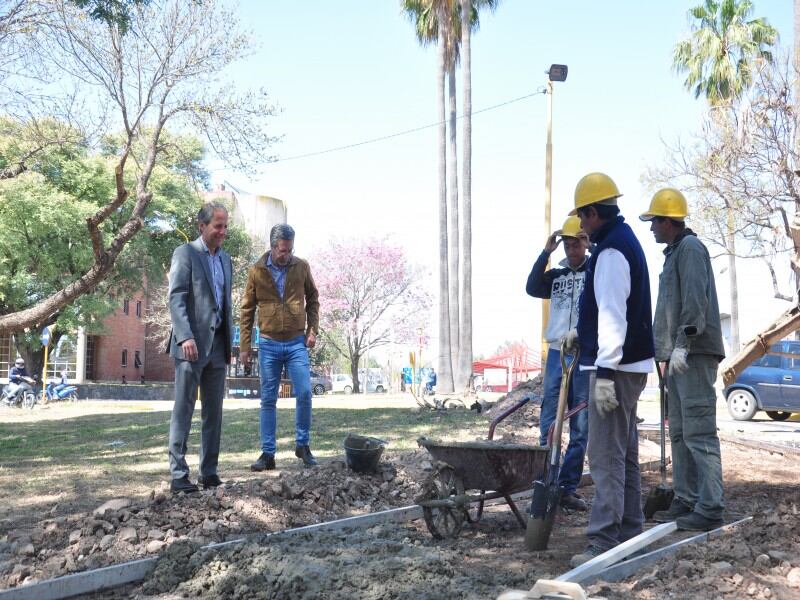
<point x="384" y="561"/>
<point x="527" y="417"/>
<point x="124" y="529"/>
<point x="759" y="559"/>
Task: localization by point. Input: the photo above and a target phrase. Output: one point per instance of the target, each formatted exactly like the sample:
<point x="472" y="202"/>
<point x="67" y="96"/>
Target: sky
<point x="349" y="71"/>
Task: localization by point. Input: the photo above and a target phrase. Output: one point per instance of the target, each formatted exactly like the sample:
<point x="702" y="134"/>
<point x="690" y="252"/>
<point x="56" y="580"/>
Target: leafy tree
<point x="164" y="67"/>
<point x="370" y="296"/>
<point x="719" y="58"/>
<point x="45" y="243"/>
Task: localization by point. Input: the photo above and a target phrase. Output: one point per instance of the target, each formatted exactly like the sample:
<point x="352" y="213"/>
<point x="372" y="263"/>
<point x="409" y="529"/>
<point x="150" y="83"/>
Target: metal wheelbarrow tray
<point x="493" y="469"/>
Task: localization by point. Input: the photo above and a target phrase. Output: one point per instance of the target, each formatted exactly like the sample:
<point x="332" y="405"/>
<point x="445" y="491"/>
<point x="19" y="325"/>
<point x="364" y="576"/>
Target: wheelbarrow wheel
<point x="443" y="522"/>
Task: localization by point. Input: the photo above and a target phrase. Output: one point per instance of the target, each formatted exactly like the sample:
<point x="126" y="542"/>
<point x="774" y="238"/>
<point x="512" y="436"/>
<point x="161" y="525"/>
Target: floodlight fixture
<point x="557" y="72"/>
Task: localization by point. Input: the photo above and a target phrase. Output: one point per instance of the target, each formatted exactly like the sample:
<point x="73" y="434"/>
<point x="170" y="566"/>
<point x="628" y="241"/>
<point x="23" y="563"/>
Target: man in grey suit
<point x="200" y="343"/>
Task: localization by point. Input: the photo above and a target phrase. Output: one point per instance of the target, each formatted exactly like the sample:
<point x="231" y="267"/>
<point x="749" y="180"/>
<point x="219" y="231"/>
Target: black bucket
<point x="363" y="453"/>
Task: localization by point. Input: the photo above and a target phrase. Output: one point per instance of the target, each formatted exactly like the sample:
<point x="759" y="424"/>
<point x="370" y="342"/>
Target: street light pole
<point x="554" y="73"/>
<point x="548" y="183"/>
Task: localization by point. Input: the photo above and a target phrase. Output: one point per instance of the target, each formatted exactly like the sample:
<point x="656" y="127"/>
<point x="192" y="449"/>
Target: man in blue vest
<point x="615" y="336"/>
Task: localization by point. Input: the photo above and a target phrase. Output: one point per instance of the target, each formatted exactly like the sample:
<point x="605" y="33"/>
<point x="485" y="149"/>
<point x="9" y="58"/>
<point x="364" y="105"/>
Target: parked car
<point x="320" y="383"/>
<point x="771" y="383"/>
<point x="342" y="383"/>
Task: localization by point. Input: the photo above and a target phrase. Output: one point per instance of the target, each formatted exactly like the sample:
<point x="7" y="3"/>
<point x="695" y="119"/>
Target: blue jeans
<point x="572" y="467"/>
<point x="272" y="357"/>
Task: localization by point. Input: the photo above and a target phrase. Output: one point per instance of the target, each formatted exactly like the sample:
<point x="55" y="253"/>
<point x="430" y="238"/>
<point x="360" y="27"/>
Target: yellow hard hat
<point x="571" y="227"/>
<point x="595" y="188"/>
<point x="669" y="203"/>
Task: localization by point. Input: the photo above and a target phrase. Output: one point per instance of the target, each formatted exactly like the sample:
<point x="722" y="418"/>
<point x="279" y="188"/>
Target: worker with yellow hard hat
<point x="688" y="334"/>
<point x="615" y="337"/>
<point x="563" y="286"/>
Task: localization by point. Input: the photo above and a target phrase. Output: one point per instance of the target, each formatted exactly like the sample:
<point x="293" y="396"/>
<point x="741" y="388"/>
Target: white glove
<point x="678" y="361"/>
<point x="570" y="341"/>
<point x="605" y="396"/>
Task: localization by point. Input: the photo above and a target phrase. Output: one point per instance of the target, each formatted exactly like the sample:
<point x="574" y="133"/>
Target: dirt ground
<point x="761" y="560"/>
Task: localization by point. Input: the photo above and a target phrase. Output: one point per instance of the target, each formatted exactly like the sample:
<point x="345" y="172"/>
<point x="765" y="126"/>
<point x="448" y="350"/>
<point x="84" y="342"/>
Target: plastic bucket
<point x="363" y="453"/>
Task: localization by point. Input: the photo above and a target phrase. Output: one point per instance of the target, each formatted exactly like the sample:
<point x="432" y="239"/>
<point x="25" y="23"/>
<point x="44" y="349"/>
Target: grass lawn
<point x="80" y="461"/>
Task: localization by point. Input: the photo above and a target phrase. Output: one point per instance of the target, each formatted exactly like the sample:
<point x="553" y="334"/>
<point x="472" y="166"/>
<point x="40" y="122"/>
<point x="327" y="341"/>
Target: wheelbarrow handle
<point x="570" y="413"/>
<point x="506" y="413"/>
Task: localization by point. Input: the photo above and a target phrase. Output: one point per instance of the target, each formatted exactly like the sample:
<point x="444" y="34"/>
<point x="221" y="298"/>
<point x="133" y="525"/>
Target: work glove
<point x="605" y="396"/>
<point x="678" y="361"/>
<point x="570" y="341"/>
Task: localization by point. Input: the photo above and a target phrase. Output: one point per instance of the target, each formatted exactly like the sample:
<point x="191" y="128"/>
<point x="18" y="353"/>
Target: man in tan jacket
<point x="280" y="286"/>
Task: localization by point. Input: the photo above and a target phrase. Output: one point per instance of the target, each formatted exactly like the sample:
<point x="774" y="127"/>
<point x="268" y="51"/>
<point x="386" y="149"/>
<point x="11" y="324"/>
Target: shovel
<point x="660" y="497"/>
<point x="547" y="494"/>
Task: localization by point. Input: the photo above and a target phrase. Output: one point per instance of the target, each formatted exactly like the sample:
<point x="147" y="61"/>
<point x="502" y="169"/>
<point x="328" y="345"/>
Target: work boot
<point x="573" y="501"/>
<point x="304" y="453"/>
<point x="678" y="508"/>
<point x="265" y="462"/>
<point x="591" y="552"/>
<point x="182" y="485"/>
<point x="697" y="522"/>
<point x="209" y="481"/>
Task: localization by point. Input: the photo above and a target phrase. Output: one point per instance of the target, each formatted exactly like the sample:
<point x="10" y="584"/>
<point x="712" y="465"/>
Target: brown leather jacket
<point x="298" y="312"/>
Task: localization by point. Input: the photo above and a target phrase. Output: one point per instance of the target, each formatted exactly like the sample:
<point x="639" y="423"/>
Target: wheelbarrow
<point x="474" y="472"/>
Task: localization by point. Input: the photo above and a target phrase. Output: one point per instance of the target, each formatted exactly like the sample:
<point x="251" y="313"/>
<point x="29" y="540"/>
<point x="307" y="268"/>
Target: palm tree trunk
<point x="464" y="369"/>
<point x="452" y="211"/>
<point x="733" y="283"/>
<point x="445" y="363"/>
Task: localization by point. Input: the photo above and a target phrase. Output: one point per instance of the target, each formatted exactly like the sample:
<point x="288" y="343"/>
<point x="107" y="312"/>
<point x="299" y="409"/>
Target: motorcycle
<point x="63" y="391"/>
<point x="20" y="395"/>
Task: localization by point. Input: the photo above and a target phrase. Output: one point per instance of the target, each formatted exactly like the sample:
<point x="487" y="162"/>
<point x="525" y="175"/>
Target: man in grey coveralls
<point x="688" y="334"/>
<point x="200" y="343"/>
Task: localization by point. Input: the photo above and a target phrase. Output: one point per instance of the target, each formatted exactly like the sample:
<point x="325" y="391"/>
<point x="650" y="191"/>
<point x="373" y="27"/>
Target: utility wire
<point x="407" y="131"/>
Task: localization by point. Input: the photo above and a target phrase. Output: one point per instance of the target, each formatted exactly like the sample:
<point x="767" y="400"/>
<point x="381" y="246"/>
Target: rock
<point x="721" y="568"/>
<point x="426" y="465"/>
<point x="762" y="561"/>
<point x="737" y="579"/>
<point x="128" y="534"/>
<point x="74" y="536"/>
<point x="219" y="492"/>
<point x="793" y="577"/>
<point x="155" y="546"/>
<point x="209" y="525"/>
<point x="276" y="488"/>
<point x="684" y="568"/>
<point x="155" y="534"/>
<point x="25" y="549"/>
<point x="56" y="562"/>
<point x="779" y="555"/>
<point x="107" y="541"/>
<point x="115" y="504"/>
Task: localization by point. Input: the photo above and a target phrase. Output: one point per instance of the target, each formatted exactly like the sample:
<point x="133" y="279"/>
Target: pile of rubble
<point x="122" y="529"/>
<point x="759" y="559"/>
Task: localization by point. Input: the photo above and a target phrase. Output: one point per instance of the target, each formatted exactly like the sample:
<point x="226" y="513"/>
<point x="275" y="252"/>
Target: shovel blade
<point x="544" y="507"/>
<point x="659" y="498"/>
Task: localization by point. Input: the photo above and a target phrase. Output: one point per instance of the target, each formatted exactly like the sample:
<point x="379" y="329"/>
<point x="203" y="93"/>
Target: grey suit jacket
<point x="192" y="305"/>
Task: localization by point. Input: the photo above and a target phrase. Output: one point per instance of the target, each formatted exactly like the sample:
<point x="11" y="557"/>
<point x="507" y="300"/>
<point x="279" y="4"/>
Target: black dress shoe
<point x="304" y="453"/>
<point x="265" y="462"/>
<point x="209" y="481"/>
<point x="182" y="485"/>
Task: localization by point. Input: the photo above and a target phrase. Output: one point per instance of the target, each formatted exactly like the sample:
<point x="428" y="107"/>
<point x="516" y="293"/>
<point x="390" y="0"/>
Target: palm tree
<point x="448" y="23"/>
<point x="431" y="27"/>
<point x="719" y="57"/>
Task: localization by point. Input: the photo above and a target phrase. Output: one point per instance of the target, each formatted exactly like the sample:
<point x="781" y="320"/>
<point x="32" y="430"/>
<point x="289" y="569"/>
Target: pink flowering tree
<point x="370" y="295"/>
